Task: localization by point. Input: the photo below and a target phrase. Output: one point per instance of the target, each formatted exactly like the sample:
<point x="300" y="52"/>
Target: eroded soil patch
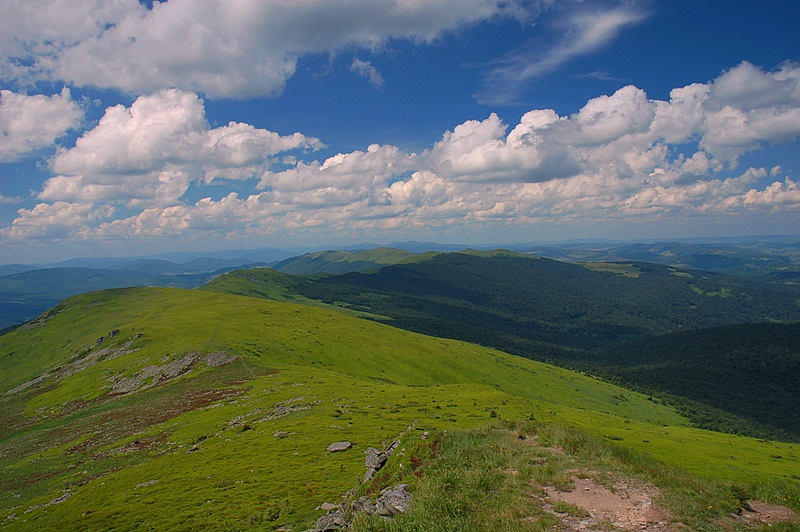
<point x="123" y="422"/>
<point x="761" y="513"/>
<point x="625" y="507"/>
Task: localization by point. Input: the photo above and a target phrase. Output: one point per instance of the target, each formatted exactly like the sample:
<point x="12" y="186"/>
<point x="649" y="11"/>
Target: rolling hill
<point x="25" y="295"/>
<point x="157" y="408"/>
<point x="338" y="262"/>
<point x="582" y="315"/>
<point x="538" y="307"/>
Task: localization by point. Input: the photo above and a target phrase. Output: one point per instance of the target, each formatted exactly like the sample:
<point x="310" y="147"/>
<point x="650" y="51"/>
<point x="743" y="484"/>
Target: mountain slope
<point x="338" y="262"/>
<point x="186" y="410"/>
<point x="533" y="305"/>
<point x="545" y="309"/>
<point x="23" y="296"/>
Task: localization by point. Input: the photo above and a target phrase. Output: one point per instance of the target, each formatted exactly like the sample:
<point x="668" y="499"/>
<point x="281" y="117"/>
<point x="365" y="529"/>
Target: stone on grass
<point x="329" y="522"/>
<point x="327" y="506"/>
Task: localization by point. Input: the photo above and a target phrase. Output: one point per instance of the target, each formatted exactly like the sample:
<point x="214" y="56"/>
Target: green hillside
<point x="338" y="262"/>
<point x="540" y="307"/>
<point x="577" y="315"/>
<point x="25" y="295"/>
<point x="169" y="409"/>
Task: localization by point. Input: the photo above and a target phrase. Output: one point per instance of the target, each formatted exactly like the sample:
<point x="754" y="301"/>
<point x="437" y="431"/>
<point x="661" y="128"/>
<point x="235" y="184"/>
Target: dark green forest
<point x="751" y="370"/>
<point x="519" y="303"/>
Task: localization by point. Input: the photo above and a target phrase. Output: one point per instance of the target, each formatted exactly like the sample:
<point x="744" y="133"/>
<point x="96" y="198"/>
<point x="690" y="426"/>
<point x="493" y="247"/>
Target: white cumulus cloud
<point x="149" y="153"/>
<point x="222" y="49"/>
<point x="30" y="123"/>
<point x="620" y="156"/>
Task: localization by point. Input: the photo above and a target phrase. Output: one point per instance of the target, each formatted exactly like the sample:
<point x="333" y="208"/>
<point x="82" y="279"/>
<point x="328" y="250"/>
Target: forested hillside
<point x="750" y="370"/>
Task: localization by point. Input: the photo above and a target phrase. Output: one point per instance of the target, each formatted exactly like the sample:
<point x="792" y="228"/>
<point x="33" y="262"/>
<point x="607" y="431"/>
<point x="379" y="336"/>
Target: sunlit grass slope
<point x="337" y="262"/>
<point x="126" y="409"/>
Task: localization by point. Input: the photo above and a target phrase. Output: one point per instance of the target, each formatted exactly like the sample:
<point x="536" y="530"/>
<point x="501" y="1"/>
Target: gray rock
<point x="327" y="506"/>
<point x="393" y="501"/>
<point x="375" y="458"/>
<point x="392" y="448"/>
<point x="364" y="504"/>
<point x="339" y="446"/>
<point x="218" y="358"/>
<point x="368" y="474"/>
<point x="334" y="521"/>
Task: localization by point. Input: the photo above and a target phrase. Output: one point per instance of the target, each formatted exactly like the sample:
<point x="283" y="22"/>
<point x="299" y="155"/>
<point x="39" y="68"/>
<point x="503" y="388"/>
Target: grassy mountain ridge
<point x="25" y="295"/>
<point x="578" y="313"/>
<point x="173" y="409"/>
<point x="514" y="302"/>
<point x="340" y="261"/>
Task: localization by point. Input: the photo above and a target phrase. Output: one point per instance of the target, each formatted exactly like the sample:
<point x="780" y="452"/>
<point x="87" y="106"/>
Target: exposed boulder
<point x="327" y="507"/>
<point x="339" y="446"/>
<point x="391" y="502"/>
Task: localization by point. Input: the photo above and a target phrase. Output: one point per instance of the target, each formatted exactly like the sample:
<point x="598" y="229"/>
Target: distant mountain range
<point x="28" y="290"/>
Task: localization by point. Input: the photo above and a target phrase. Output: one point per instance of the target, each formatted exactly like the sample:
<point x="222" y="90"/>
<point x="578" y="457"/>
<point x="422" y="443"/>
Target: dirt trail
<point x="628" y="507"/>
<point x="625" y="504"/>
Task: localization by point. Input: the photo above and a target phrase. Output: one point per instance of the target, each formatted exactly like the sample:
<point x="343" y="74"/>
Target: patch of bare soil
<point x="129" y="420"/>
<point x="628" y="507"/>
<point x="625" y="507"/>
<point x="761" y="513"/>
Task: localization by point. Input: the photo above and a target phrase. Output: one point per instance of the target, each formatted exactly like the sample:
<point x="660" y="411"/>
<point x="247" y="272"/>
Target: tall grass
<point x="473" y="480"/>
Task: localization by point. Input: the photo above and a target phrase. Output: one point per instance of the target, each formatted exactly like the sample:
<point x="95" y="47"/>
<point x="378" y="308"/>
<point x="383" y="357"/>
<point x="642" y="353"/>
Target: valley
<point x="213" y="408"/>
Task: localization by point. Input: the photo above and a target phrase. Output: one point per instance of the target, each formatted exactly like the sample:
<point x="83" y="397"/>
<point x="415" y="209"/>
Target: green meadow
<point x="169" y="409"/>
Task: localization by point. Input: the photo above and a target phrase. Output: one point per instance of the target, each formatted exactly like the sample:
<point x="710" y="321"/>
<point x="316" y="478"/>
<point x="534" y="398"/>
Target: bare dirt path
<point x="626" y="507"/>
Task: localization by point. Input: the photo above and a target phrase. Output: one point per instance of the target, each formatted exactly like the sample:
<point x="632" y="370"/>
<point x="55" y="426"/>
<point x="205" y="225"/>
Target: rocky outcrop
<point x="217" y="359"/>
<point x="84" y="358"/>
<point x="329" y="522"/>
<point x="152" y="375"/>
<point x="390" y="503"/>
<point x="376" y="458"/>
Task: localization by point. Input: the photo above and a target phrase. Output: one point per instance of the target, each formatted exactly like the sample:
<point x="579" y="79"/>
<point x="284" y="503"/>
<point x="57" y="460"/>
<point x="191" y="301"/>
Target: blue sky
<point x="186" y="125"/>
